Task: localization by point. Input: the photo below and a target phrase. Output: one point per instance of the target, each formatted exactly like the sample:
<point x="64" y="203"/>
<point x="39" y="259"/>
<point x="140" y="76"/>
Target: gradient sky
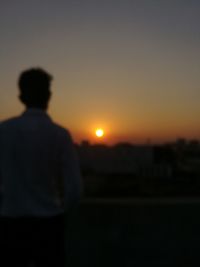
<point x="131" y="67"/>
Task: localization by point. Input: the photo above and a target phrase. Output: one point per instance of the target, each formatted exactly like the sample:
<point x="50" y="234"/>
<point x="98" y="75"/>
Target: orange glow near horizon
<point x="136" y="137"/>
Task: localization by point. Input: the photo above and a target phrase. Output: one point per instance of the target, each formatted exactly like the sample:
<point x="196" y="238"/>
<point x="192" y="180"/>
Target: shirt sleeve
<point x="71" y="175"/>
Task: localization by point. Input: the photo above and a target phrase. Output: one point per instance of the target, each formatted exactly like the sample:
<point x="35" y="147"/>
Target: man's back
<point x="39" y="179"/>
<point x="37" y="164"/>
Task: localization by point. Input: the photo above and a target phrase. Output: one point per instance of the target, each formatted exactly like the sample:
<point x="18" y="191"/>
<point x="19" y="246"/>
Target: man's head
<point x="34" y="86"/>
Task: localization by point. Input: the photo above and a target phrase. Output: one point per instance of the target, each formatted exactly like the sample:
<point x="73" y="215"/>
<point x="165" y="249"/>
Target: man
<point x="40" y="180"/>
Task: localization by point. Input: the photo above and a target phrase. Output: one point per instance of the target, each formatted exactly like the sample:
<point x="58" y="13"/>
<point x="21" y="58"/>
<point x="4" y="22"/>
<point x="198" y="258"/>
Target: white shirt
<point x="39" y="170"/>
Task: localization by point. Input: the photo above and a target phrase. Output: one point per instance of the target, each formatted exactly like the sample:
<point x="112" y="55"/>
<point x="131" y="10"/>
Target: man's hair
<point x="34" y="86"/>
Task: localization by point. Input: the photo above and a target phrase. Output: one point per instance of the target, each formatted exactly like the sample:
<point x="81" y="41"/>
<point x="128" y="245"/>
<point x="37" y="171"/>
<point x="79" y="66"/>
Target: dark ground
<point x="135" y="233"/>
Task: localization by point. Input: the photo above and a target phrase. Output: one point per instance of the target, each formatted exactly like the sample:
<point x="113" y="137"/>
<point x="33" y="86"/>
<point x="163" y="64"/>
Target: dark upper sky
<point x="131" y="67"/>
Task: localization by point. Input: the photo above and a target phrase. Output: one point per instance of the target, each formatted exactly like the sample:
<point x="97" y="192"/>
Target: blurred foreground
<point x="135" y="232"/>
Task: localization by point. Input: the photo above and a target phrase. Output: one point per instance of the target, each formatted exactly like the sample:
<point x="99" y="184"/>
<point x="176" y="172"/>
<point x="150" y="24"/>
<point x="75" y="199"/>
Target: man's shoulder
<point x="61" y="131"/>
<point x="9" y="122"/>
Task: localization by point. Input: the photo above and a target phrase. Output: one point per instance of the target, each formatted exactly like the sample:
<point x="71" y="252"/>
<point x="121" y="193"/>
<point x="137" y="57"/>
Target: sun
<point x="99" y="133"/>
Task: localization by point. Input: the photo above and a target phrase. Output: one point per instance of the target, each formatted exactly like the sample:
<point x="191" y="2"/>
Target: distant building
<point x="121" y="158"/>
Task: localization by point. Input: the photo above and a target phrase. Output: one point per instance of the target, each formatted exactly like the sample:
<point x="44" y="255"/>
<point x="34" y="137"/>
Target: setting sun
<point x="99" y="132"/>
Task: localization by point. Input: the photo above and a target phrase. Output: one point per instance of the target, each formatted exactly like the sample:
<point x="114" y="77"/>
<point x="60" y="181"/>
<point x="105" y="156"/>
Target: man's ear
<point x="21" y="98"/>
<point x="50" y="95"/>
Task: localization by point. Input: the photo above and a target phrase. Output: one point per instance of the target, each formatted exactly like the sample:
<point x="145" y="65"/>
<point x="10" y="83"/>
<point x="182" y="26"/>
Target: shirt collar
<point x="35" y="112"/>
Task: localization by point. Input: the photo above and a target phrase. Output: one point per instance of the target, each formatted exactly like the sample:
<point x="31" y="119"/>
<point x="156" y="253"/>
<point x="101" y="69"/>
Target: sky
<point x="130" y="67"/>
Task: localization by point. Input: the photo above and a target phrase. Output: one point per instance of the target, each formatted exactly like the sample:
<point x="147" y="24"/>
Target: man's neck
<point x="36" y="109"/>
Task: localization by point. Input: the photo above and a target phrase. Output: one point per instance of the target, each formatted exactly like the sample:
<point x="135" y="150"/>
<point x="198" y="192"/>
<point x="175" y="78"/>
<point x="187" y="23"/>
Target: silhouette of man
<point x="40" y="180"/>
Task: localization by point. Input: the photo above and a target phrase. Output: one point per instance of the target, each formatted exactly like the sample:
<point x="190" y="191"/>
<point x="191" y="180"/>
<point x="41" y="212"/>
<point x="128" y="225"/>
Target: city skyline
<point x="128" y="67"/>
